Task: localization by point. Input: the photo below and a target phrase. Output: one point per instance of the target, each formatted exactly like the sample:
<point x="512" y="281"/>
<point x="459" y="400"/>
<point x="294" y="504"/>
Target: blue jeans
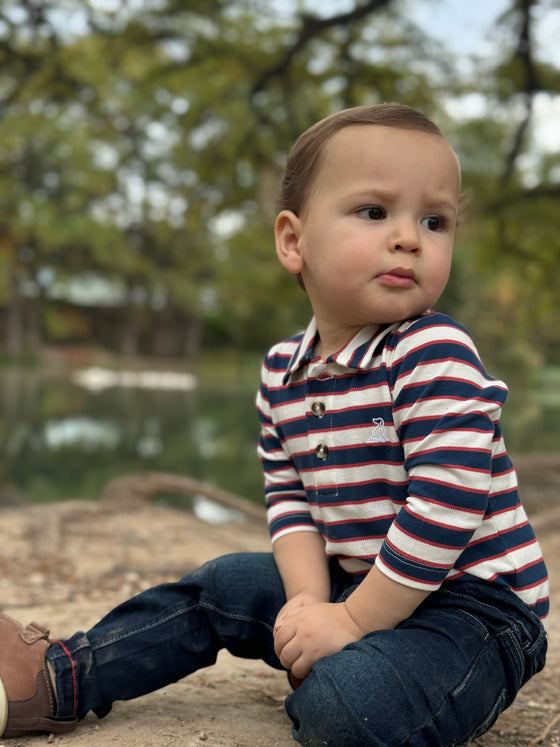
<point x="441" y="677"/>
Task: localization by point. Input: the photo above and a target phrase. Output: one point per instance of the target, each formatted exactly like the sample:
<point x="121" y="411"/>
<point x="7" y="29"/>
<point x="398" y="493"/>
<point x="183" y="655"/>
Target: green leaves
<point x="141" y="147"/>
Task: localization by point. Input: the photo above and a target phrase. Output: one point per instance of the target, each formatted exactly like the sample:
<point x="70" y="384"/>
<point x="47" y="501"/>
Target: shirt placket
<point x="319" y="414"/>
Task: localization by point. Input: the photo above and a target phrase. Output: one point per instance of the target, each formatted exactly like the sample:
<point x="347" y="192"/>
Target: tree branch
<point x="543" y="191"/>
<point x="312" y="26"/>
<point x="524" y="53"/>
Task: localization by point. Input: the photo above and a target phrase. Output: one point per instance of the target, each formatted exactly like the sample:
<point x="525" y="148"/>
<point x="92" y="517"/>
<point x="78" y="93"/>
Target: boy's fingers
<point x="300" y="669"/>
<point x="284" y="616"/>
<point x="289" y="654"/>
<point x="283" y="634"/>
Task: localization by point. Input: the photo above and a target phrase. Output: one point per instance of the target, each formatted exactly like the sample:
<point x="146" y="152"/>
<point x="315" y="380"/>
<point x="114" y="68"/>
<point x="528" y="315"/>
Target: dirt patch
<point x="67" y="564"/>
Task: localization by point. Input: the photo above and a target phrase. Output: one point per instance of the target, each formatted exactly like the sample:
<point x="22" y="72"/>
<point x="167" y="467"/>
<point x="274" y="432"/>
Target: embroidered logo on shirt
<point x="377" y="434"/>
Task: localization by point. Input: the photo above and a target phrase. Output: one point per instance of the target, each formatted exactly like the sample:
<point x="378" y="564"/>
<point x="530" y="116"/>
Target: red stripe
<point x="74" y="683"/>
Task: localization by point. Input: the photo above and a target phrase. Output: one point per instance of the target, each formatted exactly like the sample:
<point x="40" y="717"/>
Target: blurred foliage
<point x="141" y="146"/>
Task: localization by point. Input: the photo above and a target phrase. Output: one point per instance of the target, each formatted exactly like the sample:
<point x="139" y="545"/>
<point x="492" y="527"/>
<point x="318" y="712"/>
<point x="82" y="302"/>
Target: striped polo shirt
<point x="392" y="450"/>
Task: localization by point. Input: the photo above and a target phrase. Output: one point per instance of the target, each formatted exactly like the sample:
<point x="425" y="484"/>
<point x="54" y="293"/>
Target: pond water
<point x="60" y="439"/>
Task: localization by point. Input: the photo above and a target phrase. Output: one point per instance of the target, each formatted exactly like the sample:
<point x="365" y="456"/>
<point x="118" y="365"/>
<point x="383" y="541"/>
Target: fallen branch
<point x="143" y="486"/>
<point x="544" y="734"/>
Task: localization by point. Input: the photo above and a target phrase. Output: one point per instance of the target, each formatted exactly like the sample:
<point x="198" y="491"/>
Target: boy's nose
<point x="406" y="238"/>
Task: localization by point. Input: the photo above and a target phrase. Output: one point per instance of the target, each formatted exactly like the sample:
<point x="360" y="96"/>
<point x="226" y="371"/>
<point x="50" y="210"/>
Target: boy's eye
<point x="433" y="223"/>
<point x="372" y="212"/>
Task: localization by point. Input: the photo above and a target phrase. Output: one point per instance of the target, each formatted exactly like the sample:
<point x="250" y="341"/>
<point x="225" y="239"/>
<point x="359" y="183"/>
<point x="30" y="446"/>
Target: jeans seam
<point x="476" y="623"/>
<point x="465" y="680"/>
<point x="234" y="616"/>
<point x="470" y="598"/>
<point x="134" y="631"/>
<point x="509" y="634"/>
<point x="170" y="616"/>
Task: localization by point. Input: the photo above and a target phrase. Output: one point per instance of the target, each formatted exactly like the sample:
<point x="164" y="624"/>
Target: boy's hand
<point x="307" y="629"/>
<point x="293" y="606"/>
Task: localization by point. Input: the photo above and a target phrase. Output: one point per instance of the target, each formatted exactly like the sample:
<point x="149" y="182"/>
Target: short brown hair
<point x="304" y="157"/>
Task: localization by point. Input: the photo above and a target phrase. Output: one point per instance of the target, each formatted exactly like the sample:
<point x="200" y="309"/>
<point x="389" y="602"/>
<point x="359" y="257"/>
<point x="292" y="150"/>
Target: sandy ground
<point x="67" y="564"/>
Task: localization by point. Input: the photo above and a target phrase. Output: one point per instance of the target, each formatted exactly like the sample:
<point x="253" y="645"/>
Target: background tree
<point x="142" y="147"/>
<point x="508" y="254"/>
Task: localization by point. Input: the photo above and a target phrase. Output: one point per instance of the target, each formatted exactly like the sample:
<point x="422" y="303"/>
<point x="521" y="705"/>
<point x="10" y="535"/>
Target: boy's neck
<point x="329" y="344"/>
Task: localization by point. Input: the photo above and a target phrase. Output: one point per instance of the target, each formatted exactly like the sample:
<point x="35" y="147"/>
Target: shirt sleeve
<point x="446" y="411"/>
<point x="286" y="501"/>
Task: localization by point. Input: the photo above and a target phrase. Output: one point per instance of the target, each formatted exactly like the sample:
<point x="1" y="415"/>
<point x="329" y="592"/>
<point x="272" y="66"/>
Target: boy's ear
<point x="287" y="231"/>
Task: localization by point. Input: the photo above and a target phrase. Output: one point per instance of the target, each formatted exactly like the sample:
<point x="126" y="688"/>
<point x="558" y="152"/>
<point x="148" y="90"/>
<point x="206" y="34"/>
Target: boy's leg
<point x="441" y="678"/>
<point x="169" y="631"/>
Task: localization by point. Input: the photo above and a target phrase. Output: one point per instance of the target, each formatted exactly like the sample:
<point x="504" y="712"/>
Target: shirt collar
<point x="357" y="353"/>
<point x="304" y="351"/>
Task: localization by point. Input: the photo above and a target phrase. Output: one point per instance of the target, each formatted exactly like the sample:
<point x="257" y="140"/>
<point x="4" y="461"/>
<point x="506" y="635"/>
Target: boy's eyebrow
<point x="440" y="201"/>
<point x="379" y="192"/>
<point x="389" y="194"/>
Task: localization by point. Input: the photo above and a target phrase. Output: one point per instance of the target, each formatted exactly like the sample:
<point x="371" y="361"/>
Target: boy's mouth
<point x="399" y="277"/>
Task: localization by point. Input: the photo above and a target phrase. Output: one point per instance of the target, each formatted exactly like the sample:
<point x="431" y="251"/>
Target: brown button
<point x="322" y="451"/>
<point x="318" y="409"/>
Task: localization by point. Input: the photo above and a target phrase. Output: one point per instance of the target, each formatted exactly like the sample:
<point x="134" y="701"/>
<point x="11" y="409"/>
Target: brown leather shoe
<point x="27" y="700"/>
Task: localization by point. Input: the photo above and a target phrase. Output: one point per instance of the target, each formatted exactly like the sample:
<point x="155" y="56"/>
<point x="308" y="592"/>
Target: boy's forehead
<point x="374" y="138"/>
<point x="387" y="148"/>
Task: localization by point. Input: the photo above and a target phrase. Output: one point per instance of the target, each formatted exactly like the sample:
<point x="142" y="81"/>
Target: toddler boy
<point x="406" y="591"/>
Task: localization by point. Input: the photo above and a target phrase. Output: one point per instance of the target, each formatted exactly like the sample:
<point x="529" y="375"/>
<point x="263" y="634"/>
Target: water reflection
<point x="60" y="440"/>
<point x="82" y="431"/>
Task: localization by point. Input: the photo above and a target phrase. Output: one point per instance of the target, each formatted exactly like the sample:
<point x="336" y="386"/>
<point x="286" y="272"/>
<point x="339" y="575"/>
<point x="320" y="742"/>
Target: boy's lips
<point x="400" y="277"/>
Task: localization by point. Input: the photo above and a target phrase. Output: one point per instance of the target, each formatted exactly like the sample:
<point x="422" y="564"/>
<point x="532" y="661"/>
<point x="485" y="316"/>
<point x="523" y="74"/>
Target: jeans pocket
<point x="534" y="650"/>
<point x="499" y="706"/>
<point x="524" y="653"/>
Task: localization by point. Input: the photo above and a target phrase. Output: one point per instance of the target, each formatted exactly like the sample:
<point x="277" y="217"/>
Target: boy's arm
<point x="379" y="603"/>
<point x="303" y="565"/>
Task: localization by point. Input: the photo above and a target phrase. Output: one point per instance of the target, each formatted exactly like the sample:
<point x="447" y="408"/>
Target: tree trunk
<point x="164" y="342"/>
<point x="15" y="326"/>
<point x="193" y="337"/>
<point x="33" y="332"/>
<point x="130" y="340"/>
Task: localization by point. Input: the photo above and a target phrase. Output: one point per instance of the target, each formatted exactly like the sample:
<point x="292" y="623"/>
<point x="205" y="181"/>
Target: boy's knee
<point x="360" y="696"/>
<point x="327" y="710"/>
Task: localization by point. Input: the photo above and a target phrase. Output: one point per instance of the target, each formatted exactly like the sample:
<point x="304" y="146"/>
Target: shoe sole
<point x="3" y="708"/>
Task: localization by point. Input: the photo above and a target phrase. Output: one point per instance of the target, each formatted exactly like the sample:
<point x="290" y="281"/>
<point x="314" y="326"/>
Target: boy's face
<point x="375" y="239"/>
